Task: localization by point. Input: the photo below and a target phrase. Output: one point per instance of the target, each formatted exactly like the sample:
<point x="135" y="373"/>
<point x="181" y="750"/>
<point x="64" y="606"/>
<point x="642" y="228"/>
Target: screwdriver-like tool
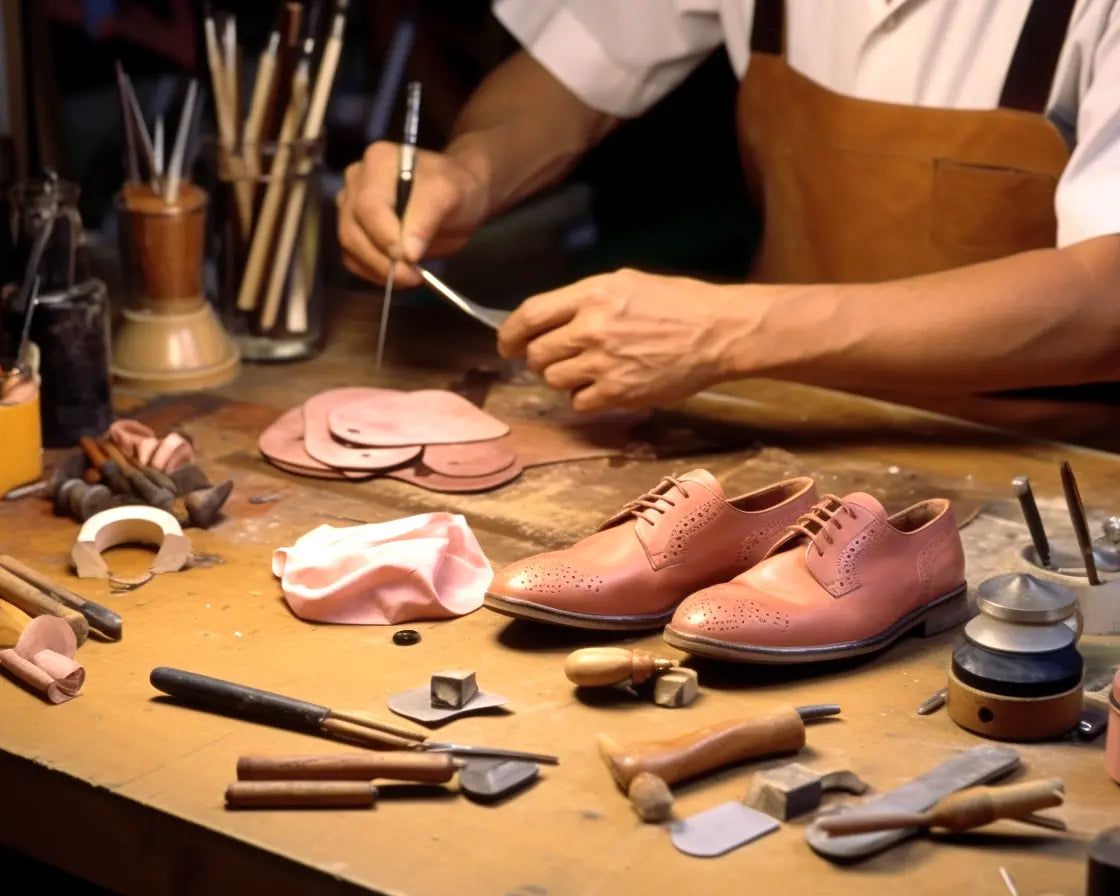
<point x="961" y="811"/>
<point x="1022" y="486"/>
<point x="404" y="190"/>
<point x="1080" y="524"/>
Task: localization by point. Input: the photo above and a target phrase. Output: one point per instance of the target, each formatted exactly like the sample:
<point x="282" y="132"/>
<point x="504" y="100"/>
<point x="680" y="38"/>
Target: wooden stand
<point x="1013" y="718"/>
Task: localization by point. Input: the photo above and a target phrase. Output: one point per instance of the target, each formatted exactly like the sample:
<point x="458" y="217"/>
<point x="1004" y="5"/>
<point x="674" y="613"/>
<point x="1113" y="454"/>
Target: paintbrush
<point x="312" y="129"/>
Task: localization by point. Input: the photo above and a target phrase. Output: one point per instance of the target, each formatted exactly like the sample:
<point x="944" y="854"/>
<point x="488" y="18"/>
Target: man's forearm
<point x="522" y="130"/>
<point x="1048" y="317"/>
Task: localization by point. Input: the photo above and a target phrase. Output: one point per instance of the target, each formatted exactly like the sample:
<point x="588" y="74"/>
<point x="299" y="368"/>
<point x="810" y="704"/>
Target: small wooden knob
<point x="601" y="666"/>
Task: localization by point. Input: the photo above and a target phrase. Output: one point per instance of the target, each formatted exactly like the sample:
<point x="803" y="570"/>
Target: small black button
<point x="406" y="636"/>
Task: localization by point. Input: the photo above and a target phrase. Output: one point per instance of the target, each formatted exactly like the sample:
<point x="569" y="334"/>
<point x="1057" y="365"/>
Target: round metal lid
<point x="995" y="634"/>
<point x="1023" y="598"/>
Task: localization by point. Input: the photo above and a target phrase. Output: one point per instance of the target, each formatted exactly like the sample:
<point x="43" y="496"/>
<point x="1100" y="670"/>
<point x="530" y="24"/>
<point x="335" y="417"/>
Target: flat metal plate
<point x="719" y="830"/>
<point x="492" y="779"/>
<point x="977" y="765"/>
<point x="417" y="705"/>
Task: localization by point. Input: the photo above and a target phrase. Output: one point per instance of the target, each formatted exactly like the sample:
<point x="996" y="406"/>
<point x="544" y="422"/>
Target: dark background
<point x="663" y="192"/>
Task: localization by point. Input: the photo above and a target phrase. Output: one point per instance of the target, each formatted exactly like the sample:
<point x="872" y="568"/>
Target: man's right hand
<point x="447" y="205"/>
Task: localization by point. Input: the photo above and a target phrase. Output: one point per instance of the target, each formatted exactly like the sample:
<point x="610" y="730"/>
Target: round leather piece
<point x="318" y="472"/>
<point x="471" y="458"/>
<point x="319" y="443"/>
<point x="420" y="475"/>
<point x="282" y="444"/>
<point x="424" y="417"/>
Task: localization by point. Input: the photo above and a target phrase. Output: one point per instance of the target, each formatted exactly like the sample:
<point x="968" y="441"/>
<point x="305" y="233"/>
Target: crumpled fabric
<point x="43" y="658"/>
<point x="428" y="566"/>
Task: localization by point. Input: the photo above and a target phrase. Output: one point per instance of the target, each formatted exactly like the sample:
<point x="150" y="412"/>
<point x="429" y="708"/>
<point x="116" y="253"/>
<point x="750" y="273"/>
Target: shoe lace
<point x="820" y="519"/>
<point x="656" y="500"/>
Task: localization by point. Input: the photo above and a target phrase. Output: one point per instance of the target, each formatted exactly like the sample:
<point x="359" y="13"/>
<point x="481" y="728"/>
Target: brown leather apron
<point x="855" y="190"/>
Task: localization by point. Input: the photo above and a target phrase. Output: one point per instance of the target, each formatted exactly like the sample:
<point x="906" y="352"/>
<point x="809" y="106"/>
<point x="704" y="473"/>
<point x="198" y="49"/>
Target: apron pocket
<point x="988" y="211"/>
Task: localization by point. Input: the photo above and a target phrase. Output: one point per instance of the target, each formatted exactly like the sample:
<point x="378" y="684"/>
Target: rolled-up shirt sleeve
<point x="1088" y="197"/>
<point x="618" y="56"/>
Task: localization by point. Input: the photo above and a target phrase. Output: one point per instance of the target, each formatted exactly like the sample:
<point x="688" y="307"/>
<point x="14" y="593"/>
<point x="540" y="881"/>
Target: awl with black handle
<point x="246" y="702"/>
<point x="100" y="618"/>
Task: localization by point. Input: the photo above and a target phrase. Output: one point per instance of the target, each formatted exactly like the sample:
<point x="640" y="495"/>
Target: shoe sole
<point x="935" y="617"/>
<point x="523" y="609"/>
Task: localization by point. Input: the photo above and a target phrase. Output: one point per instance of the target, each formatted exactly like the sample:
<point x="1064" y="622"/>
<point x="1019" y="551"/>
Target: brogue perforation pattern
<point x="720" y="615"/>
<point x="760" y="541"/>
<point x="546" y="577"/>
<point x="700" y="518"/>
<point x="930" y="558"/>
<point x="847" y="564"/>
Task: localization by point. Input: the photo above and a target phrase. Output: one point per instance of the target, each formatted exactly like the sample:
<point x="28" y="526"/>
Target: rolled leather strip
<point x="43" y="659"/>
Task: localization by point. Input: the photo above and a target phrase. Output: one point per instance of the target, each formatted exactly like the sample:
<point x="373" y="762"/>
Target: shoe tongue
<point x="704" y="478"/>
<point x="867" y="502"/>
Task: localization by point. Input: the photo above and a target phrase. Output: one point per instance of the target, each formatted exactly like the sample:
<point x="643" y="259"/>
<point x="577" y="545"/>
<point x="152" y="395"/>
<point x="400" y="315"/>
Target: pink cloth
<point x="428" y="566"/>
<point x="43" y="658"/>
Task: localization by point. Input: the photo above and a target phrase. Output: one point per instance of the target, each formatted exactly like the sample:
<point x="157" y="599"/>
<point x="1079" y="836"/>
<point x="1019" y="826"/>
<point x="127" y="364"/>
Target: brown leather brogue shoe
<point x="631" y="573"/>
<point x="845" y="579"/>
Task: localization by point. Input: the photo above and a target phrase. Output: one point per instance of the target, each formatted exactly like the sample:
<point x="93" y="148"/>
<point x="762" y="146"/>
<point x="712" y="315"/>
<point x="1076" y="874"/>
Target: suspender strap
<point x="1031" y="72"/>
<point x="768" y="26"/>
<point x="1027" y="85"/>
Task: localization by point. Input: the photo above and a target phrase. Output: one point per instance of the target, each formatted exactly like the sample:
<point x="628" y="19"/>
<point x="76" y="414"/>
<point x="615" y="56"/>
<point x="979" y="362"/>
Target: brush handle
<point x="300" y="794"/>
<point x="435" y="768"/>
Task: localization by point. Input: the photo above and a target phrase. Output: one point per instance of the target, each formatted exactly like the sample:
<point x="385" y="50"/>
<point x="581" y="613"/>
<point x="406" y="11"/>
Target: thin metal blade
<point x="467" y="750"/>
<point x="385" y="303"/>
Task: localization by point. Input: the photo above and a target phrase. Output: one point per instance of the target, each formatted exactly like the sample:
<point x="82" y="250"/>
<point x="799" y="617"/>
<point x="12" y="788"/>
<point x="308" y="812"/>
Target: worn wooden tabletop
<point x="126" y="789"/>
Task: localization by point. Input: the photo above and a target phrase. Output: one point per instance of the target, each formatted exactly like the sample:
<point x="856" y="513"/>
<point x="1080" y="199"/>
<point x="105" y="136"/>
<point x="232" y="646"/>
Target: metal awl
<point x="404" y="190"/>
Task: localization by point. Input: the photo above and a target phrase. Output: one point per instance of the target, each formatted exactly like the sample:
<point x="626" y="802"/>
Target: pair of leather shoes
<point x="776" y="575"/>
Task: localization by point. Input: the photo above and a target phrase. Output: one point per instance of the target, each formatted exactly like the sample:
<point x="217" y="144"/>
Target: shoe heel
<point x="950" y="612"/>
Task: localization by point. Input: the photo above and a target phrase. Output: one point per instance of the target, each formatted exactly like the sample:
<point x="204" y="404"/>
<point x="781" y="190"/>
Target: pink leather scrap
<point x="44" y="659"/>
<point x="428" y="566"/>
<point x="140" y="443"/>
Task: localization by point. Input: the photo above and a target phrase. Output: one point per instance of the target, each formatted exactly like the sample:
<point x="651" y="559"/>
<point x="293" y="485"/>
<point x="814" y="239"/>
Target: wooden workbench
<point x="126" y="789"/>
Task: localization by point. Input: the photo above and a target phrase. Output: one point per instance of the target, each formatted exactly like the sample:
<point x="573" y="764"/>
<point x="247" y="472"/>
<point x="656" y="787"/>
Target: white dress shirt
<point x="621" y="56"/>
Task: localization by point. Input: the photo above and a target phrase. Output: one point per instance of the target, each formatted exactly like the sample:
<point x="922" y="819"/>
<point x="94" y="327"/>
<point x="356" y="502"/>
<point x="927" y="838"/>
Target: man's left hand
<point x="623" y="340"/>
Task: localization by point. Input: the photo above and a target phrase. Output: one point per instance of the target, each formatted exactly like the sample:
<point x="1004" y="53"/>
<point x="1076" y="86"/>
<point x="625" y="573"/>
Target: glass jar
<point x="265" y="247"/>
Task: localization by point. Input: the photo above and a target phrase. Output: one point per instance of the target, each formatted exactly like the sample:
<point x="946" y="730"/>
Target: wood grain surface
<point x="125" y="787"/>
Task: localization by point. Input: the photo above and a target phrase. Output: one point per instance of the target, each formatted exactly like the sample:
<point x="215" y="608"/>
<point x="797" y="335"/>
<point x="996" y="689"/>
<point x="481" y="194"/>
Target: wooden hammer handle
<point x="782" y="731"/>
<point x="435" y="768"/>
<point x="299" y="794"/>
<point x="982" y="805"/>
<point x="101" y="618"/>
<point x="34" y="602"/>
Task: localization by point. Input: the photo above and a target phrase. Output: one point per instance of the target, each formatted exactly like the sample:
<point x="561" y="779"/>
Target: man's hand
<point x="445" y="208"/>
<point x="624" y="340"/>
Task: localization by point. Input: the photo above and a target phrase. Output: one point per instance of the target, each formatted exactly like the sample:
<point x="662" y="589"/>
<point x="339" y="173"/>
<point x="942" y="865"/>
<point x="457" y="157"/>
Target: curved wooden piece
<point x="697" y="752"/>
<point x="130" y="524"/>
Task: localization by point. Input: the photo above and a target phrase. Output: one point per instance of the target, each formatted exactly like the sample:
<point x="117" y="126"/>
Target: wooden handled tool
<point x="961" y="811"/>
<point x="300" y="794"/>
<point x="112" y="475"/>
<point x="34" y="602"/>
<point x="12" y="623"/>
<point x="435" y="768"/>
<point x="154" y="495"/>
<point x="600" y="666"/>
<point x="100" y="618"/>
<point x="692" y="754"/>
<point x="246" y="702"/>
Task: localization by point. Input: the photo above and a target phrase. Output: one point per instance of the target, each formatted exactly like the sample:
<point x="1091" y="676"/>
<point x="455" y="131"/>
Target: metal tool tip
<point x="818" y="711"/>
